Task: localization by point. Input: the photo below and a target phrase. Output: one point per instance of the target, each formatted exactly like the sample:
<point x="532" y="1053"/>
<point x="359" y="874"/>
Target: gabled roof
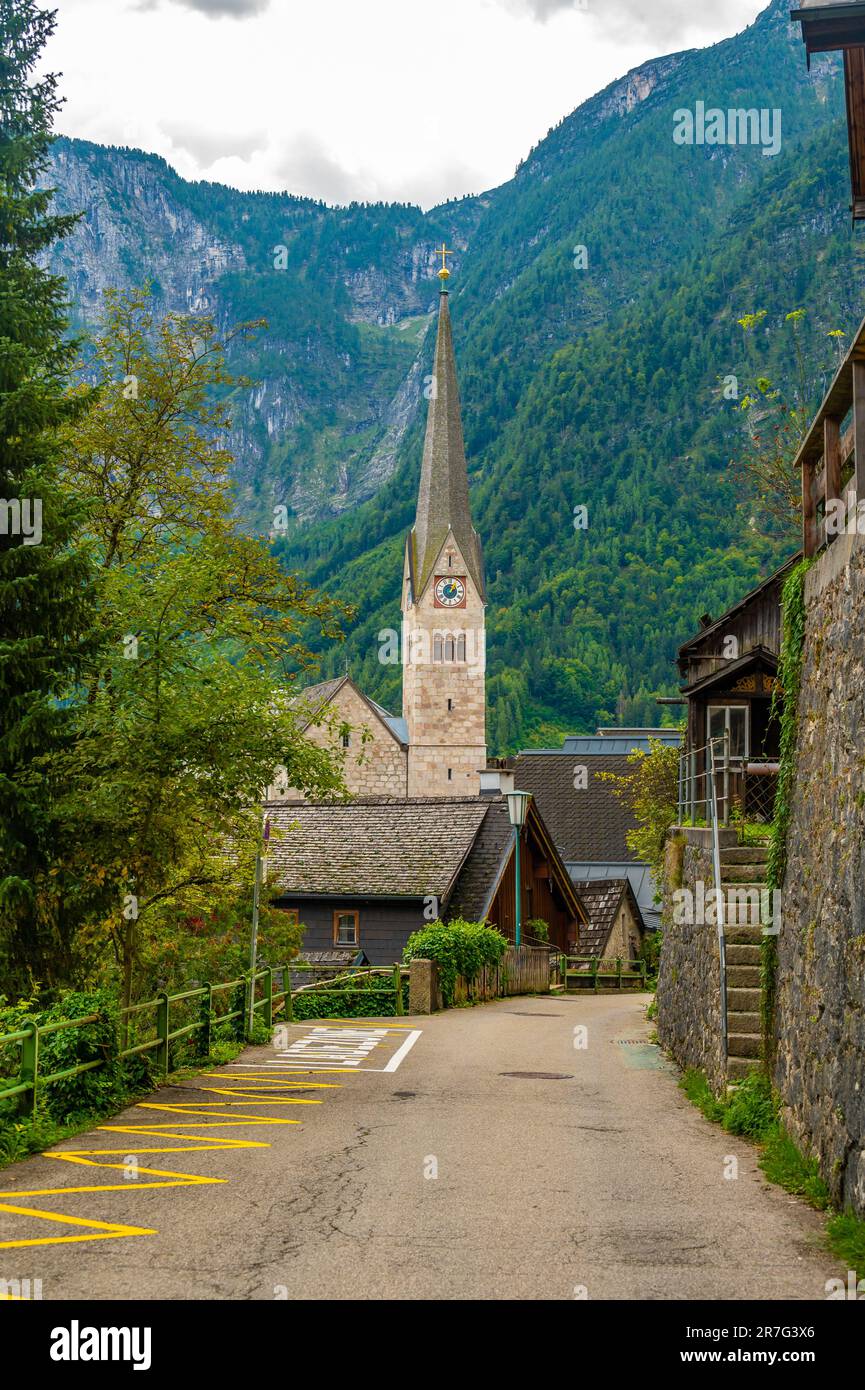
<point x="378" y="847"/>
<point x="443" y="497"/>
<point x="602" y="898"/>
<point x="314" y="698"/>
<point x="586" y="824"/>
<point x="721" y="624"/>
<point x="492" y="852"/>
<point x="724" y="673"/>
<point x="453" y="849"/>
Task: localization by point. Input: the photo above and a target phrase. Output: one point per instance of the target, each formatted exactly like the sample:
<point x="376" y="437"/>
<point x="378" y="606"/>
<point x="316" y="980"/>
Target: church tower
<point x="444" y="598"/>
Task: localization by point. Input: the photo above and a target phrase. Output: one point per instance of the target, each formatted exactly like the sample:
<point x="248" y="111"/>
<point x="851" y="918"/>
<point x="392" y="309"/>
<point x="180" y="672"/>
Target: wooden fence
<point x="523" y="971"/>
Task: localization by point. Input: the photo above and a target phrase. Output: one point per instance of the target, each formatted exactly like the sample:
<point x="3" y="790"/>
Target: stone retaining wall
<point x="689" y="976"/>
<point x="819" y="1063"/>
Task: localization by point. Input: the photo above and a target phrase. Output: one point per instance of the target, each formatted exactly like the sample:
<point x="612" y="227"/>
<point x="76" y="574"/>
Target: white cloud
<point x="401" y="100"/>
<point x="661" y="21"/>
<point x="207" y="145"/>
<point x="216" y="9"/>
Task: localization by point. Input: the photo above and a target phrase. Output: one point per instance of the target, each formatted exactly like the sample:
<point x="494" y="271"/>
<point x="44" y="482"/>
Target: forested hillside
<point x="598" y="386"/>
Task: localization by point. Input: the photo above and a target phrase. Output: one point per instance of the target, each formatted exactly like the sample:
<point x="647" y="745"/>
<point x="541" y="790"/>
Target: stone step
<point x="746" y="854"/>
<point x="744" y="1045"/>
<point x="744" y="1000"/>
<point x="742" y="955"/>
<point x="744" y="873"/>
<point x="740" y="1067"/>
<point x="742" y="935"/>
<point x="743" y="977"/>
<point x="738" y="1022"/>
<point x="741" y="911"/>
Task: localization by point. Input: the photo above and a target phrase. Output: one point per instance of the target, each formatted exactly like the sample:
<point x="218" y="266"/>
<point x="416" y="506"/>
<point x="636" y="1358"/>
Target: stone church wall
<point x="373" y="765"/>
<point x="445" y="737"/>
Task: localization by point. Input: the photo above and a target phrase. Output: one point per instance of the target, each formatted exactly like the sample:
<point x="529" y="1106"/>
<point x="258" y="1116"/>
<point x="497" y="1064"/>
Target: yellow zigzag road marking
<point x="247" y="1095"/>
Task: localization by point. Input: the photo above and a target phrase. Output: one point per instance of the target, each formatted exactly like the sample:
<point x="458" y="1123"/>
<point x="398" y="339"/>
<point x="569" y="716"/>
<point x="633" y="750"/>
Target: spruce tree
<point x="44" y="575"/>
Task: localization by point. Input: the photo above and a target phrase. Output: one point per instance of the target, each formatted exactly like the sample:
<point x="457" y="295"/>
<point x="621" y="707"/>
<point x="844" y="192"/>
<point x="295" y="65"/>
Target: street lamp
<point x="518" y="810"/>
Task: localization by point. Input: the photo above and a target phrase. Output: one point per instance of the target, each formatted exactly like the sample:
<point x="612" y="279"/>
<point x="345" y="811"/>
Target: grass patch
<point x="700" y="1093"/>
<point x="847" y="1240"/>
<point x="753" y="1111"/>
<point x="784" y="1164"/>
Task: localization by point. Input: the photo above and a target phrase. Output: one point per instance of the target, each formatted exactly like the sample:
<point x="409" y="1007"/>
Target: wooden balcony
<point x="832" y="456"/>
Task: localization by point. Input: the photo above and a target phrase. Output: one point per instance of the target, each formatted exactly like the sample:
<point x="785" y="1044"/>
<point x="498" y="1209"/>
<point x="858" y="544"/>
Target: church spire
<point x="443" y="500"/>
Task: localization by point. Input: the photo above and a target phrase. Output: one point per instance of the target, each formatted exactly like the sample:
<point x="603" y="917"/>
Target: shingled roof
<point x="443" y="498"/>
<point x="602" y="898"/>
<point x="379" y="847"/>
<point x="587" y="825"/>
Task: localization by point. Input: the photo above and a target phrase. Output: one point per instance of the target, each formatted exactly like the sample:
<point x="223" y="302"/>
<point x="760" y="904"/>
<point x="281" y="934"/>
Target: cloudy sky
<point x="416" y="100"/>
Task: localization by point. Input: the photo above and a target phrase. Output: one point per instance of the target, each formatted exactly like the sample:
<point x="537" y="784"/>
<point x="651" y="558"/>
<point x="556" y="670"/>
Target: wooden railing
<point x="833" y="464"/>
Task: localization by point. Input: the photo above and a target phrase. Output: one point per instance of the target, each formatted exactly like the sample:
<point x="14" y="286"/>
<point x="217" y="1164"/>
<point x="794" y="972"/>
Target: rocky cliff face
<point x="132" y="227"/>
<point x="337" y="372"/>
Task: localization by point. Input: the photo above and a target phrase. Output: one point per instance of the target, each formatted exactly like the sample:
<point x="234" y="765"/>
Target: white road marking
<point x="397" y="1057"/>
<point x="344" y="1047"/>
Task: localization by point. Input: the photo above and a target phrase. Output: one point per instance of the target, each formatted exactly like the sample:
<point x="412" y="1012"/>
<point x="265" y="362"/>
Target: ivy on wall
<point x="786" y="707"/>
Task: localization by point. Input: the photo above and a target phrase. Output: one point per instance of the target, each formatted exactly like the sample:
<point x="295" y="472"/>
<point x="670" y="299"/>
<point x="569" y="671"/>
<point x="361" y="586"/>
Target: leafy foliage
<point x="785" y="705"/>
<point x="650" y="792"/>
<point x="360" y="996"/>
<point x="45" y="577"/>
<point x="459" y="948"/>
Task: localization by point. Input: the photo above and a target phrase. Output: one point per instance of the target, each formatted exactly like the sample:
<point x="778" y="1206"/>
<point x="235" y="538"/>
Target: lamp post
<point x="518" y="810"/>
<point x="253" y="945"/>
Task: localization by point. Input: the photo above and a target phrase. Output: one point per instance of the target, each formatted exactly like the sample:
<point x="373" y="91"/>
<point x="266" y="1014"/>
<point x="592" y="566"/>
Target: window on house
<point x="346" y="928"/>
<point x="346" y="740"/>
<point x="293" y="915"/>
<point x="732" y="719"/>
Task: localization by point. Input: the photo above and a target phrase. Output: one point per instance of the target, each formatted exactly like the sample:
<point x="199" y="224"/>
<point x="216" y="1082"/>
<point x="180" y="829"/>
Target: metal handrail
<point x="721" y="910"/>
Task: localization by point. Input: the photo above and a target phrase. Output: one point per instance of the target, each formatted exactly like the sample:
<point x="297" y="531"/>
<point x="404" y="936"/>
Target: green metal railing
<point x="269" y="1003"/>
<point x="590" y="971"/>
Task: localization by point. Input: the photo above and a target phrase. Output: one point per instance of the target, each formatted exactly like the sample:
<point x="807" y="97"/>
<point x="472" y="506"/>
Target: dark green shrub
<point x="458" y="948"/>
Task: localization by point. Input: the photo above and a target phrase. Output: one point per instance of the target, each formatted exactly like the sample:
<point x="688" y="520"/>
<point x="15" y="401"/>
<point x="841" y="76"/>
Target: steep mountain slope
<point x="595" y="386"/>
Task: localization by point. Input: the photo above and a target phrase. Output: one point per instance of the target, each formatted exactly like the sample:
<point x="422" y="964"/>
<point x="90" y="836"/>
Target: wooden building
<point x="832" y="457"/>
<point x="831" y="26"/>
<point x="729" y="673"/>
<point x="366" y="874"/>
<point x="615" y="929"/>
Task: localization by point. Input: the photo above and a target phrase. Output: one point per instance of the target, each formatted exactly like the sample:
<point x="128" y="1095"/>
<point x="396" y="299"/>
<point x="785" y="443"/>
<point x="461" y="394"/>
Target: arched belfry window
<point x="438" y="647"/>
<point x="449" y="648"/>
<point x="461" y="647"/>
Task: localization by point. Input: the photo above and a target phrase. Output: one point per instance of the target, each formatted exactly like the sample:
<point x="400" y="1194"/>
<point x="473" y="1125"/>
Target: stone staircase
<point x="743" y="866"/>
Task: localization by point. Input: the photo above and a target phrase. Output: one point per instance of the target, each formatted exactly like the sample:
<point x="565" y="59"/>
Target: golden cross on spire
<point x="444" y="273"/>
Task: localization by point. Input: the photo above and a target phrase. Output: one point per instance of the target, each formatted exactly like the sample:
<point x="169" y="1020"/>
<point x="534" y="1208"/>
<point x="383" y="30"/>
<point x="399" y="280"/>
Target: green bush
<point x="458" y="948"/>
<point x="357" y="996"/>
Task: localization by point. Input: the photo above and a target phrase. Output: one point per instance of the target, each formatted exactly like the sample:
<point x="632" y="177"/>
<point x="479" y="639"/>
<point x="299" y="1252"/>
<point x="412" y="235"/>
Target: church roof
<point x="313" y="698"/>
<point x="443" y="499"/>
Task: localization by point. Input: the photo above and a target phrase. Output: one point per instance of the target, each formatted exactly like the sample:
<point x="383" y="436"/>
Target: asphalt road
<point x="455" y="1174"/>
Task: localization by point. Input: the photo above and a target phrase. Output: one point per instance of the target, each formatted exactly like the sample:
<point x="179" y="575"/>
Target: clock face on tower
<point x="450" y="591"/>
